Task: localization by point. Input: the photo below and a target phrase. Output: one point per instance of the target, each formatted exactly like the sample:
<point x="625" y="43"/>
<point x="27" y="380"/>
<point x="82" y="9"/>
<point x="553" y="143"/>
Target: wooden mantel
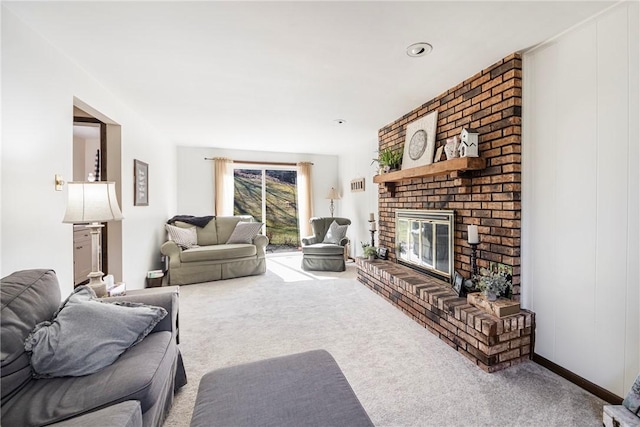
<point x="440" y="168"/>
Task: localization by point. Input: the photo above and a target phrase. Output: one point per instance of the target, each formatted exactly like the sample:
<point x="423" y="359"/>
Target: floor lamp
<point x="332" y="195"/>
<point x="91" y="204"/>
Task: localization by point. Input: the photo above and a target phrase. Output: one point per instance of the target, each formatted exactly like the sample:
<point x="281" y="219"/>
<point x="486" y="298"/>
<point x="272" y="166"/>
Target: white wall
<point x="195" y="177"/>
<point x="580" y="198"/>
<point x="356" y="206"/>
<point x="39" y="84"/>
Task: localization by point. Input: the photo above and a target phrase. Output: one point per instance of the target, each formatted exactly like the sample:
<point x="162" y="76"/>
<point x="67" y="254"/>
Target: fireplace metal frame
<point x="436" y="217"/>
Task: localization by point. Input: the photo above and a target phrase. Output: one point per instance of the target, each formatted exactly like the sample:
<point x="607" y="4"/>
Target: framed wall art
<point x="420" y="141"/>
<point x="357" y="185"/>
<point x="456" y="284"/>
<point x="140" y="183"/>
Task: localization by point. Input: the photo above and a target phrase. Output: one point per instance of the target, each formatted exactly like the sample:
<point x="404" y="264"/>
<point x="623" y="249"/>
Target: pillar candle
<point x="372" y="226"/>
<point x="472" y="234"/>
<point x="371" y="217"/>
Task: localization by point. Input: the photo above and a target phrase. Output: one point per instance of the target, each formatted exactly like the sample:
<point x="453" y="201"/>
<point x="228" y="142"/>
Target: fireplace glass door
<point x="427" y="245"/>
<point x="424" y="239"/>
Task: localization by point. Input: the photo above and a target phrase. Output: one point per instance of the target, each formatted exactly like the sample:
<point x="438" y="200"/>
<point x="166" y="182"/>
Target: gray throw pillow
<point x="335" y="233"/>
<point x="245" y="232"/>
<point x="184" y="237"/>
<point x="87" y="334"/>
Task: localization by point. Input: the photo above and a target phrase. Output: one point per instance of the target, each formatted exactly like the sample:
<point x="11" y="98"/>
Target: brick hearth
<point x="490" y="342"/>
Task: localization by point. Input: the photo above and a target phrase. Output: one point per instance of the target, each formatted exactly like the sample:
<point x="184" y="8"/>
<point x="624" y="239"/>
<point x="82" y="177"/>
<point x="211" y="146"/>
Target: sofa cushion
<point x="218" y="252"/>
<point x="335" y="233"/>
<point x="207" y="235"/>
<point x="226" y="224"/>
<point x="323" y="249"/>
<point x="28" y="297"/>
<point x="125" y="414"/>
<point x="245" y="232"/>
<point x="87" y="334"/>
<point x="140" y="373"/>
<point x="185" y="237"/>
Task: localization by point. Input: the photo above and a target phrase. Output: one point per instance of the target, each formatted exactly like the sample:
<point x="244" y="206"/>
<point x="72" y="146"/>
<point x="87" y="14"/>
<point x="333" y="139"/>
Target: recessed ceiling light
<point x="419" y="49"/>
<point x="340" y="121"/>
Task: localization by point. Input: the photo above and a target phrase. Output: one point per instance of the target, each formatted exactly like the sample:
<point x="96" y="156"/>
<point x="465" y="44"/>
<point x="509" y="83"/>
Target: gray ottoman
<point x="306" y="389"/>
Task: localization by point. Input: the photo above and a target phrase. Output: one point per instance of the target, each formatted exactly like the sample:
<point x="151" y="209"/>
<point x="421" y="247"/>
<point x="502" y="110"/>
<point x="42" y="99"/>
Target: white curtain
<point x="223" y="176"/>
<point x="305" y="208"/>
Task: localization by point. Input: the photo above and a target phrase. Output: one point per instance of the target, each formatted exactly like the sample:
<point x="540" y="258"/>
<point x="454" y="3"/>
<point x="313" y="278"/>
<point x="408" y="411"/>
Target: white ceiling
<point x="274" y="76"/>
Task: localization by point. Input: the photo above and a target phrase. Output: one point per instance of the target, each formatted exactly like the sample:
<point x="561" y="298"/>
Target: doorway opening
<point x="96" y="157"/>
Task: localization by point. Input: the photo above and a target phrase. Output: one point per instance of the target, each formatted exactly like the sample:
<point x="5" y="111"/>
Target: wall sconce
<point x="59" y="182"/>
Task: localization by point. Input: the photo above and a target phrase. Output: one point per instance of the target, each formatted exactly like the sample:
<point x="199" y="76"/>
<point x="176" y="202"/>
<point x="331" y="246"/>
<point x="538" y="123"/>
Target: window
<point x="269" y="195"/>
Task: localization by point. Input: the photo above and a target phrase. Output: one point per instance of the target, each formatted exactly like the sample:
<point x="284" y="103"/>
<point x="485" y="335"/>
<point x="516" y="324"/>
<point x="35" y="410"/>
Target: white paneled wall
<point x="580" y="198"/>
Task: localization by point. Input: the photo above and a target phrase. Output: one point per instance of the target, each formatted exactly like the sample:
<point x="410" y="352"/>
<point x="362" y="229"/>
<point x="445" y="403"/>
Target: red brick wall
<point x="489" y="102"/>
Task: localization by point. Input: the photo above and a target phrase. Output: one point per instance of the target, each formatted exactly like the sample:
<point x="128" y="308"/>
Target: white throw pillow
<point x="335" y="233"/>
<point x="184" y="237"/>
<point x="245" y="232"/>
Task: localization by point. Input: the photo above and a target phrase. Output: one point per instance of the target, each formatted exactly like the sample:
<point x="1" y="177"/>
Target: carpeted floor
<point x="402" y="374"/>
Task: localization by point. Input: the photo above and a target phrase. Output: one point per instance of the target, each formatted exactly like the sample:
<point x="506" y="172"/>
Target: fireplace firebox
<point x="424" y="240"/>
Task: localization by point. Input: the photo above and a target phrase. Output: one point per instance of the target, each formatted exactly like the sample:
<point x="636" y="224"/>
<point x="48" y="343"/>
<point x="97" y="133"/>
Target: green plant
<point x="389" y="157"/>
<point x="492" y="282"/>
<point x="369" y="250"/>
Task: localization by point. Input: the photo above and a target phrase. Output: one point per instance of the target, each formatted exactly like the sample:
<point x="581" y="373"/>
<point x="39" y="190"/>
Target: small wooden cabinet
<point x="81" y="254"/>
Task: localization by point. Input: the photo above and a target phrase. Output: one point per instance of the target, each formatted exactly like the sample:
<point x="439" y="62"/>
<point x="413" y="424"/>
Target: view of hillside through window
<point x="269" y="196"/>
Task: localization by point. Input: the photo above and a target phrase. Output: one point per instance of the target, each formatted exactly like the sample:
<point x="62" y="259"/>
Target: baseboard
<point x="578" y="380"/>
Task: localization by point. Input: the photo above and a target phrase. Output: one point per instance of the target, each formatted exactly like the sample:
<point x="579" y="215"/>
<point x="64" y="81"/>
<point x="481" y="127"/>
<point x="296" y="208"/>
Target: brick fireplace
<point x="489" y="102"/>
<point x="484" y="194"/>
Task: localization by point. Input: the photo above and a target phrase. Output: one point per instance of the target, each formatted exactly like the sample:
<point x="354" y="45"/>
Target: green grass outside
<point x="281" y="208"/>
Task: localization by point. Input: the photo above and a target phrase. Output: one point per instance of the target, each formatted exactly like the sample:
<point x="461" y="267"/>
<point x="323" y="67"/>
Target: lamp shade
<point x="333" y="194"/>
<point x="92" y="202"/>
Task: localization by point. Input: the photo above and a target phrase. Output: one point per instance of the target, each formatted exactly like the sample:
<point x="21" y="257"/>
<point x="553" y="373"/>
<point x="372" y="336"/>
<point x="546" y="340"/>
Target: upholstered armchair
<point x="324" y="251"/>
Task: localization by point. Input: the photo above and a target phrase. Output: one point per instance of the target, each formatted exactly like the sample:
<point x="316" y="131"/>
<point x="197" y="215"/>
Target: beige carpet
<point x="402" y="374"/>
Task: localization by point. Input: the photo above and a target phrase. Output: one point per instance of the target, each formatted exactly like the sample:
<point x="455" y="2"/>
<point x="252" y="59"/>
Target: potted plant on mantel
<point x="388" y="159"/>
<point x="493" y="283"/>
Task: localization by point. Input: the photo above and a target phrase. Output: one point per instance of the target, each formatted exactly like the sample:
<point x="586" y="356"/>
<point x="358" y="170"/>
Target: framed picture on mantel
<point x="140" y="183"/>
<point x="420" y="141"/>
<point x="456" y="284"/>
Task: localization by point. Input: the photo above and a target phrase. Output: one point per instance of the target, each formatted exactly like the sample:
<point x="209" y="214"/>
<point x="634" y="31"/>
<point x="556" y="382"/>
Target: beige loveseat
<point x="213" y="258"/>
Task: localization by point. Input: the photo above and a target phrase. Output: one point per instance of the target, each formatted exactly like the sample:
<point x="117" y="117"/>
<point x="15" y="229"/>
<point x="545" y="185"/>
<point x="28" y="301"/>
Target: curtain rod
<point x="250" y="162"/>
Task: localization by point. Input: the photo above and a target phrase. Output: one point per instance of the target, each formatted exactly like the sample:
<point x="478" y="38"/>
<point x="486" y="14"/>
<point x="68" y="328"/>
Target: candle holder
<point x="372" y="230"/>
<point x="474" y="263"/>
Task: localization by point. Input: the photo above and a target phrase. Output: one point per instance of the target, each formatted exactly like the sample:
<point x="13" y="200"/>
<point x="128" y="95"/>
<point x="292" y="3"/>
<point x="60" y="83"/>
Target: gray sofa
<point x="214" y="259"/>
<point x="137" y="389"/>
